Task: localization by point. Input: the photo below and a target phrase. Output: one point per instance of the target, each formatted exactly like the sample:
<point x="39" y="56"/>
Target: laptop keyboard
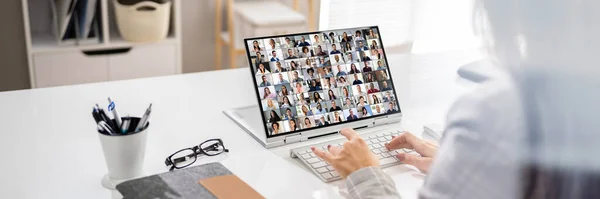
<point x="375" y="140"/>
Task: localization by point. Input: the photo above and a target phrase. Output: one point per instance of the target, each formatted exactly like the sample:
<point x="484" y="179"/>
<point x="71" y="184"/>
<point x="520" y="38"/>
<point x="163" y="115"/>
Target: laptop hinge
<point x="386" y="120"/>
<point x="293" y="138"/>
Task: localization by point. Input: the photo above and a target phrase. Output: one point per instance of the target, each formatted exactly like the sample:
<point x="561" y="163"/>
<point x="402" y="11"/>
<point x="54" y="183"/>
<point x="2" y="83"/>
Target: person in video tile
<point x="320" y="51"/>
<point x="259" y="58"/>
<point x="351" y="115"/>
<point x="376" y="99"/>
<point x="320" y="109"/>
<point x="334" y="107"/>
<point x="295" y="77"/>
<point x="265" y="82"/>
<point x="346" y="38"/>
<point x="290" y="54"/>
<point x="306" y="111"/>
<point x="388" y="97"/>
<point x="293" y="125"/>
<point x="372" y="89"/>
<point x="374" y="45"/>
<point x="268" y="94"/>
<point x="356" y="80"/>
<point x="367" y="67"/>
<point x="385" y="86"/>
<point x="317" y="97"/>
<point x="354" y="69"/>
<point x="262" y="70"/>
<point x="331" y="95"/>
<point x="307" y="123"/>
<point x="274" y="56"/>
<point x="286" y="102"/>
<point x="275" y="127"/>
<point x="299" y="87"/>
<point x="288" y="43"/>
<point x="274" y="116"/>
<point x="364" y="56"/>
<point x="392" y="109"/>
<point x="332" y="37"/>
<point x="336" y="117"/>
<point x="380" y="65"/>
<point x="361" y="46"/>
<point x="272" y="43"/>
<point x="278" y="68"/>
<point x="313" y="86"/>
<point x="303" y="42"/>
<point x="334" y="50"/>
<point x="369" y="78"/>
<point x="358" y="36"/>
<point x="288" y="114"/>
<point x="255" y="46"/>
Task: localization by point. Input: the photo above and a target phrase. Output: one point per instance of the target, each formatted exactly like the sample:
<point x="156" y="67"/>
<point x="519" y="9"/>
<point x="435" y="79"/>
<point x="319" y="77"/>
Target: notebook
<point x="179" y="184"/>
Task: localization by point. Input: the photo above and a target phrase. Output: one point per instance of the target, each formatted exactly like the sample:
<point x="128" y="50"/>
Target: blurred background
<point x="48" y="43"/>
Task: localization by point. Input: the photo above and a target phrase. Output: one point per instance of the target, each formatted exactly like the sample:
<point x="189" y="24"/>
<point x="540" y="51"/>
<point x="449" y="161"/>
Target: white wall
<point x="198" y="19"/>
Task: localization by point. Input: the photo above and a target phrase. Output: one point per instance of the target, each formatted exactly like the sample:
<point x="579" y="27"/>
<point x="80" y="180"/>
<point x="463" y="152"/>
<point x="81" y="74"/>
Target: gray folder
<point x="175" y="184"/>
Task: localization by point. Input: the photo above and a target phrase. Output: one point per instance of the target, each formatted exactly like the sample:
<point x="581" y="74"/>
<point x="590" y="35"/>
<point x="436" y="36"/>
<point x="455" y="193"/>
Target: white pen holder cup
<point x="124" y="154"/>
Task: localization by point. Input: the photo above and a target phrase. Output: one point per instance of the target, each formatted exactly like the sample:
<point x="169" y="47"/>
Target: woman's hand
<point x="426" y="149"/>
<point x="354" y="155"/>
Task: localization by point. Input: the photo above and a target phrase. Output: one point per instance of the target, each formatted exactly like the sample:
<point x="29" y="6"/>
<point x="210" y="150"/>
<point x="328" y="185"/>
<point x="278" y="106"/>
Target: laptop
<point x="314" y="84"/>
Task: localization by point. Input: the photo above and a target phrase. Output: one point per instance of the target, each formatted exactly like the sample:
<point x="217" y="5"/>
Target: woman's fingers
<point x="422" y="163"/>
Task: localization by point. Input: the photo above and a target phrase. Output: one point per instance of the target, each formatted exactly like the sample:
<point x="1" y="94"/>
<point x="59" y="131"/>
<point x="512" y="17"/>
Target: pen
<point x="106" y="127"/>
<point x="112" y="108"/>
<point x="144" y="119"/>
<point x="105" y="118"/>
<point x="125" y="125"/>
<point x="96" y="115"/>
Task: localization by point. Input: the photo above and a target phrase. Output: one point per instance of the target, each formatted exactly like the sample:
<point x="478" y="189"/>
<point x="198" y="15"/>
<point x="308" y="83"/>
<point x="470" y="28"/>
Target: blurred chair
<point x="255" y="18"/>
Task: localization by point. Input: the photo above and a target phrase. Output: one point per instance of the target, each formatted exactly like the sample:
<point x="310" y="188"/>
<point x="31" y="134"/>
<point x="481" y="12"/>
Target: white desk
<point x="50" y="148"/>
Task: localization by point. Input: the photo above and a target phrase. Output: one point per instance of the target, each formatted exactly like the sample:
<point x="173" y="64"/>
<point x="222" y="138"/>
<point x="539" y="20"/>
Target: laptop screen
<point x="310" y="80"/>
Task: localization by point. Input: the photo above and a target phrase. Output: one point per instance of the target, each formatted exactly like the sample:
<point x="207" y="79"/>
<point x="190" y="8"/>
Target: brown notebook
<point x="229" y="187"/>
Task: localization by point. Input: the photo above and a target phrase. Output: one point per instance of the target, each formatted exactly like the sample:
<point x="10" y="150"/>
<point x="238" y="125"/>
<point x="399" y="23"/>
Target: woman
<point x="332" y="82"/>
<point x="299" y="88"/>
<point x="317" y="97"/>
<point x="353" y="69"/>
<point x="383" y="75"/>
<point x="328" y="72"/>
<point x="320" y="109"/>
<point x="369" y="78"/>
<point x="293" y="65"/>
<point x="332" y="95"/>
<point x="306" y="111"/>
<point x="342" y="81"/>
<point x="376" y="100"/>
<point x="262" y="70"/>
<point x="268" y="94"/>
<point x="272" y="43"/>
<point x="255" y="46"/>
<point x="307" y="64"/>
<point x="284" y="91"/>
<point x="274" y="116"/>
<point x="346" y="38"/>
<point x="293" y="126"/>
<point x="307" y="123"/>
<point x="305" y="52"/>
<point x="375" y="54"/>
<point x="364" y="112"/>
<point x="275" y="127"/>
<point x="286" y="102"/>
<point x="372" y="34"/>
<point x="374" y="45"/>
<point x="337" y="117"/>
<point x="361" y="101"/>
<point x="270" y="105"/>
<point x="345" y="92"/>
<point x="348" y="47"/>
<point x="288" y="114"/>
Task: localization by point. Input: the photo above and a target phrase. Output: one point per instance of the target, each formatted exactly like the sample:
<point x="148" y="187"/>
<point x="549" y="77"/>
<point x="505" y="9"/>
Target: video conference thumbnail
<point x="313" y="80"/>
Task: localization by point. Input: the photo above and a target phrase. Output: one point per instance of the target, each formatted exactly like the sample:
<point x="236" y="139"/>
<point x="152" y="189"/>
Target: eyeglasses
<point x="186" y="157"/>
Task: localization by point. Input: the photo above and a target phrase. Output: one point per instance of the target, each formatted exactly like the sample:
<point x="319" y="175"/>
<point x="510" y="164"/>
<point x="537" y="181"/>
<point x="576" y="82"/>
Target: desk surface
<point x="51" y="150"/>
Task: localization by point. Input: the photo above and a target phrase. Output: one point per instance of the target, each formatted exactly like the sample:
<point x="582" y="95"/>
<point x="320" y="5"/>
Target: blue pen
<point x="112" y="108"/>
